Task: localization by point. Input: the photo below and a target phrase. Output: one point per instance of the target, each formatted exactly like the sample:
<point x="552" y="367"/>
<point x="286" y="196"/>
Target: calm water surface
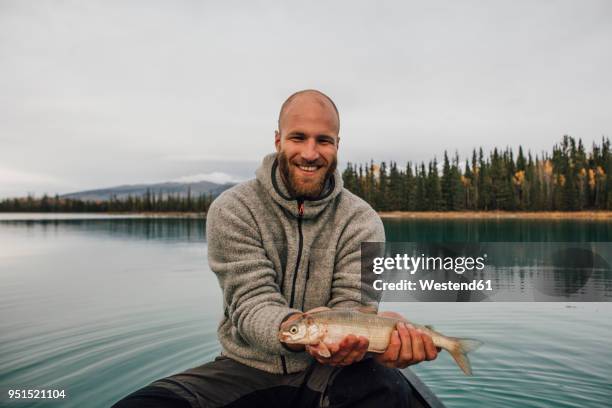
<point x="100" y="307"/>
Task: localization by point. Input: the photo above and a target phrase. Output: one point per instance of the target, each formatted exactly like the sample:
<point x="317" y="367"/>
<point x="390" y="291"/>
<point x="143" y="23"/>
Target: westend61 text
<point x="433" y="285"/>
<point x="411" y="264"/>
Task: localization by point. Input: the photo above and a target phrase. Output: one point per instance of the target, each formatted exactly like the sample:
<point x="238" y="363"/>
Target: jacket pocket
<point x="319" y="275"/>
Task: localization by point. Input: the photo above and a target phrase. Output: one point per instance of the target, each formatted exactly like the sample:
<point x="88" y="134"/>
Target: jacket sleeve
<point x="251" y="296"/>
<point x="347" y="289"/>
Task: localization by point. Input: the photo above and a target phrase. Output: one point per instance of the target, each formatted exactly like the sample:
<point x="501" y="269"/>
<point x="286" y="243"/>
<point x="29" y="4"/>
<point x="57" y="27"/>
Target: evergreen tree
<point x="446" y="185"/>
<point x="395" y="188"/>
<point x="432" y="188"/>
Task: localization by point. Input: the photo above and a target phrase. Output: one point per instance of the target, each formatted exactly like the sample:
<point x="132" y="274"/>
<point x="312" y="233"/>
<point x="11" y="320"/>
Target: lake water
<point x="100" y="306"/>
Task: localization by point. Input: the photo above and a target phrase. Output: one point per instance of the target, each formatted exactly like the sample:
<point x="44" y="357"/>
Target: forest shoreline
<point x="531" y="215"/>
<point x="528" y="215"/>
<point x="602" y="215"/>
<point x="442" y="215"/>
<point x="534" y="215"/>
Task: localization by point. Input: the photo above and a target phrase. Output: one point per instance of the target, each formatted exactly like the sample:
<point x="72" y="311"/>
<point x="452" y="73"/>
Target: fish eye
<point x="293" y="330"/>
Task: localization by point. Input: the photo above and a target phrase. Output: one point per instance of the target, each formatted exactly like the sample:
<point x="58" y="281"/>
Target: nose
<point x="309" y="151"/>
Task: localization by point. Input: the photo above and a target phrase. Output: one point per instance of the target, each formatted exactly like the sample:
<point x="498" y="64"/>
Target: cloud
<point x="17" y="177"/>
<point x="15" y="182"/>
<point x="164" y="92"/>
<point x="203" y="158"/>
<point x="215" y="177"/>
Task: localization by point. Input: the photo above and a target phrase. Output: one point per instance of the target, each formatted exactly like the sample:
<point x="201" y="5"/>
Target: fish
<point x="322" y="326"/>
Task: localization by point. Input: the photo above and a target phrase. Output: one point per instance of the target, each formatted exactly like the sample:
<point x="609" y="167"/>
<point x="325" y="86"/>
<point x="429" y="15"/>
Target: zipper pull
<point x="300" y="208"/>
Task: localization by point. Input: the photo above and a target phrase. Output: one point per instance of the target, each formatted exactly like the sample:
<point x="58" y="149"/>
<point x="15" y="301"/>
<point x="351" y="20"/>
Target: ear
<point x="277" y="140"/>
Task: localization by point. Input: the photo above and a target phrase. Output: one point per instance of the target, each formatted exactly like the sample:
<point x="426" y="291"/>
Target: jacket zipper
<point x="306" y="284"/>
<point x="284" y="363"/>
<point x="300" y="204"/>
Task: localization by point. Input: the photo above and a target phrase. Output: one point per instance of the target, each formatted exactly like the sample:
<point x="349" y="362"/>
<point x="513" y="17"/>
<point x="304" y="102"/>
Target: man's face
<point x="307" y="144"/>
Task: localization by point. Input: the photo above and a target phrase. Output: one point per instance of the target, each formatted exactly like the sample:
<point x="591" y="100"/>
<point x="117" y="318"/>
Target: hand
<point x="350" y="350"/>
<point x="408" y="346"/>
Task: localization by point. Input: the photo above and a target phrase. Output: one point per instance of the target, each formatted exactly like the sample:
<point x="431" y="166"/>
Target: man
<point x="286" y="242"/>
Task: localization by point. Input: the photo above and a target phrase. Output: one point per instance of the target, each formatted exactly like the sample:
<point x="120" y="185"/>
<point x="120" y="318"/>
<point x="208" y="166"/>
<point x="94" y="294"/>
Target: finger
<point x="344" y="348"/>
<point x="405" y="355"/>
<point x="315" y="354"/>
<point x="321" y="360"/>
<point x="430" y="349"/>
<point x="358" y="352"/>
<point x="418" y="352"/>
<point x="390" y="355"/>
<point x="333" y="348"/>
<point x="355" y="355"/>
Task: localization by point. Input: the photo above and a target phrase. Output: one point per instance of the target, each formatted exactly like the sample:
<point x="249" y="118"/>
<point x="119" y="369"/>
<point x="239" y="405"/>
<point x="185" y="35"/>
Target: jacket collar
<point x="269" y="176"/>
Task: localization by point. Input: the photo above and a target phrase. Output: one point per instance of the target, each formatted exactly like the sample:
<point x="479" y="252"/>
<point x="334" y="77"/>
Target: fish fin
<point x="321" y="349"/>
<point x="459" y="351"/>
<point x="367" y="309"/>
<point x="317" y="309"/>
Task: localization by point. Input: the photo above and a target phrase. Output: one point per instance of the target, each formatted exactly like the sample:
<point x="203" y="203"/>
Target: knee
<point x="152" y="397"/>
<point x="391" y="381"/>
<point x="372" y="385"/>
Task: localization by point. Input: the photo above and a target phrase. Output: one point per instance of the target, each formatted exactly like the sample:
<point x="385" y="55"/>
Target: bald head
<point x="307" y="142"/>
<point x="296" y="101"/>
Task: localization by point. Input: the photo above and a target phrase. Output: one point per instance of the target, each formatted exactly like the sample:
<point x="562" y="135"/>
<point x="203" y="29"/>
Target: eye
<point x="325" y="140"/>
<point x="293" y="330"/>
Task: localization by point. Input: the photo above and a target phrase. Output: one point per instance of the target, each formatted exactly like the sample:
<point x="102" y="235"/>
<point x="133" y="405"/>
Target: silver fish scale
<point x="339" y="323"/>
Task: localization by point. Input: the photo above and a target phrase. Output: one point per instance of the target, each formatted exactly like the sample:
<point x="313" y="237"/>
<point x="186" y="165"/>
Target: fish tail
<point x="459" y="350"/>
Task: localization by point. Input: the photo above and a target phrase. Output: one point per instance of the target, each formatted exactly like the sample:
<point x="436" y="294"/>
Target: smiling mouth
<point x="308" y="169"/>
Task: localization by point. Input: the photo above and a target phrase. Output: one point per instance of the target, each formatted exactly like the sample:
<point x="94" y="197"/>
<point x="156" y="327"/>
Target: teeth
<point x="308" y="168"/>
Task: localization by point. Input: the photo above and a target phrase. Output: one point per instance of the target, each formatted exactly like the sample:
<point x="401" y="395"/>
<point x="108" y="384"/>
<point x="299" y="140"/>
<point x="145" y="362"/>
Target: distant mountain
<point x="120" y="192"/>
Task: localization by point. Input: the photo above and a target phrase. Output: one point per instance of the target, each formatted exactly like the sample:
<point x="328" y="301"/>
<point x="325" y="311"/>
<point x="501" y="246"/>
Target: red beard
<point x="299" y="188"/>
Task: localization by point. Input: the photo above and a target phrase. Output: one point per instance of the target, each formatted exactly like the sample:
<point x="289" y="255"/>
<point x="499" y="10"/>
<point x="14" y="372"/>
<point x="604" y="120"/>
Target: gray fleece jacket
<point x="275" y="255"/>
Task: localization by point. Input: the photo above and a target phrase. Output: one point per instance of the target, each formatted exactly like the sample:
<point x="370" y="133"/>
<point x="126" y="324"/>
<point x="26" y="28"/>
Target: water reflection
<point x="490" y="230"/>
<point x="490" y="271"/>
<point x="157" y="229"/>
<point x="102" y="307"/>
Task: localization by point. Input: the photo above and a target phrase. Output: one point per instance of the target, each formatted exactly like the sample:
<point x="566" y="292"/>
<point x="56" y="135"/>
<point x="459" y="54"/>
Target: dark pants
<point x="227" y="383"/>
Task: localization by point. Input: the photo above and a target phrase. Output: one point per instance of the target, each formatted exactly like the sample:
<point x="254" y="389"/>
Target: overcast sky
<point x="95" y="94"/>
